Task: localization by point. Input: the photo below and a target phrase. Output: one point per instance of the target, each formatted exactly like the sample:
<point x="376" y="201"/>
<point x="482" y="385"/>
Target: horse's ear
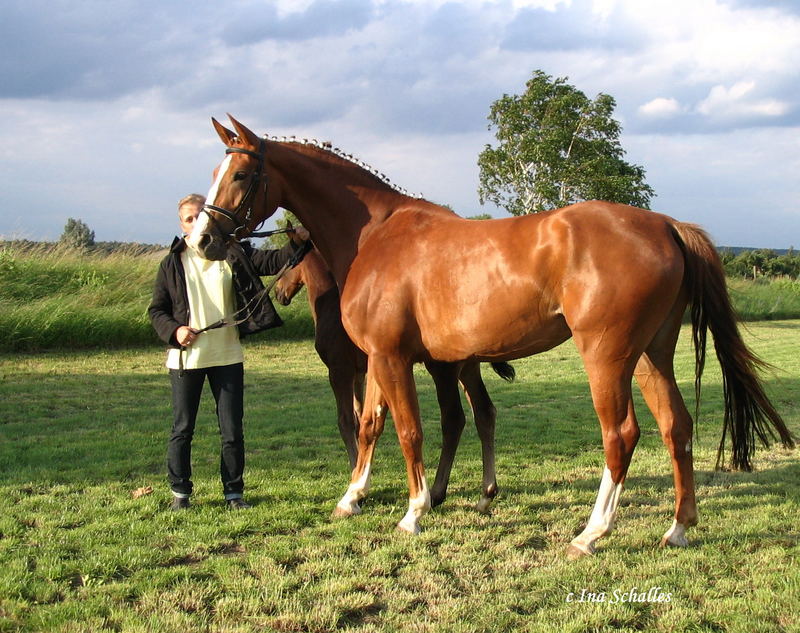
<point x="244" y="133"/>
<point x="225" y="134"/>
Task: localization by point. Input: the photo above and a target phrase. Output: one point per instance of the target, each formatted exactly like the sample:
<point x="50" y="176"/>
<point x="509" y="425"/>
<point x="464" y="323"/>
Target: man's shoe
<point x="238" y="504"/>
<point x="179" y="503"/>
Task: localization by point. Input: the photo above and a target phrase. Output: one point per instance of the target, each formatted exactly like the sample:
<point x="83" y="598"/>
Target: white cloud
<point x="738" y="101"/>
<point x="660" y="107"/>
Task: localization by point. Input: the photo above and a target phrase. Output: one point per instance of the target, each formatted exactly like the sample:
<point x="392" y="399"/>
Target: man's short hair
<point x="192" y="198"/>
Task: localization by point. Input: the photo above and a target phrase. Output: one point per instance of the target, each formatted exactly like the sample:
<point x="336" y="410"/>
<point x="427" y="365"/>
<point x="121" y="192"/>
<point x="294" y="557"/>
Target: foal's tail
<point x="748" y="411"/>
<point x="505" y="371"/>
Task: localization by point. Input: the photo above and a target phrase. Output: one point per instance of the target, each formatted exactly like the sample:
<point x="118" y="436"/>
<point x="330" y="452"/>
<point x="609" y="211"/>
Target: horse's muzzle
<point x="212" y="247"/>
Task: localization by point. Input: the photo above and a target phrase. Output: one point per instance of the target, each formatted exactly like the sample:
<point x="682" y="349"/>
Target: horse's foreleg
<point x="445" y="377"/>
<point x="657" y="382"/>
<point x="485" y="414"/>
<point x="371" y="426"/>
<point x="612" y="401"/>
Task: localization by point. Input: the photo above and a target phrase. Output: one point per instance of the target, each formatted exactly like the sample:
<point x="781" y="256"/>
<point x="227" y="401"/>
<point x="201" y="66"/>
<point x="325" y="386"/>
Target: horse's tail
<point x="748" y="411"/>
<point x="505" y="370"/>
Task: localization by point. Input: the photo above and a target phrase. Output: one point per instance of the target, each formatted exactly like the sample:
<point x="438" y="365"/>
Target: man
<point x="191" y="293"/>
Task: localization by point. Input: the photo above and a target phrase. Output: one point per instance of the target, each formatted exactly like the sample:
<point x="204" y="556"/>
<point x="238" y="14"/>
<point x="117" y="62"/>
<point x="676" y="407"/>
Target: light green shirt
<point x="209" y="285"/>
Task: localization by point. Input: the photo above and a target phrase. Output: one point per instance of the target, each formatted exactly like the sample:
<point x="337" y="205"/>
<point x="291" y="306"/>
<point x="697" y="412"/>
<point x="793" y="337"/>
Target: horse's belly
<point x="489" y="335"/>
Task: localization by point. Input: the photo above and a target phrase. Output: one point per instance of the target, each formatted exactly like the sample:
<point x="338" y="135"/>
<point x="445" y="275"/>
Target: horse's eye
<point x="239" y="175"/>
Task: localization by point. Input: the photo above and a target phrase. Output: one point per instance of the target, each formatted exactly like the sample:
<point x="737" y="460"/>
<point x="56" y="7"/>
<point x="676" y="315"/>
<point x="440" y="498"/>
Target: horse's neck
<point x="331" y="205"/>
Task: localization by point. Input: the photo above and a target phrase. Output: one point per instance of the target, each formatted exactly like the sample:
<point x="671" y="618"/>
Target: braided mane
<point x="327" y="147"/>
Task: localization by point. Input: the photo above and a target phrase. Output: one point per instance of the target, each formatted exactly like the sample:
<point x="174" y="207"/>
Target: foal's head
<point x="289" y="285"/>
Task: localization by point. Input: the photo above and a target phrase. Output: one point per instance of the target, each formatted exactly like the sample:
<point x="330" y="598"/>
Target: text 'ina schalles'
<point x="618" y="596"/>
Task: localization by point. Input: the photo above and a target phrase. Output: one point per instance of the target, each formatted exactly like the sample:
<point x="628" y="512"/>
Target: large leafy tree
<point x="556" y="147"/>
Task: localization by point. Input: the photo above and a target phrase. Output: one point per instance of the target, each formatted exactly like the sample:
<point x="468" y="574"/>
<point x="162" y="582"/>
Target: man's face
<point x="187" y="214"/>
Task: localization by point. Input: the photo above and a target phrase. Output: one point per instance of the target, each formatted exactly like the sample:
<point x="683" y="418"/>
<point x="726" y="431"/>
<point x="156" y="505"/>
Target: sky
<point x="105" y="105"/>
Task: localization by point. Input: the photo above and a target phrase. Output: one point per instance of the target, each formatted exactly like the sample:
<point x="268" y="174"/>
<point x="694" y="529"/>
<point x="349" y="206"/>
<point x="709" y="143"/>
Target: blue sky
<point x="106" y="104"/>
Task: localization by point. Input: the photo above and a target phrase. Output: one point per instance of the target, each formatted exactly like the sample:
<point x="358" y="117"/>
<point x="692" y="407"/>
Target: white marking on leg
<point x="675" y="536"/>
<point x="378" y="411"/>
<point x="601" y="522"/>
<point x="417" y="508"/>
<point x="356" y="492"/>
<point x="689" y="446"/>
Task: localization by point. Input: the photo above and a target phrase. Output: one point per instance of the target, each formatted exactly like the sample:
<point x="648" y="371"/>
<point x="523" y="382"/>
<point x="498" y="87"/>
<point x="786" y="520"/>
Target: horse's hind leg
<point x="656" y="378"/>
<point x="610" y="382"/>
<point x="485" y="414"/>
<point x="445" y="377"/>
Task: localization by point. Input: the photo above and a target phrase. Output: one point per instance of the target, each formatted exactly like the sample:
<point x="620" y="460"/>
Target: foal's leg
<point x="656" y="378"/>
<point x="370" y="429"/>
<point x="445" y="377"/>
<point x="485" y="414"/>
<point x="342" y="379"/>
<point x="610" y="382"/>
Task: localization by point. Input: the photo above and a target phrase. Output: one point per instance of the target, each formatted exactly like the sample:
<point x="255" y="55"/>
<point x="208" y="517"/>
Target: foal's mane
<point x="326" y="151"/>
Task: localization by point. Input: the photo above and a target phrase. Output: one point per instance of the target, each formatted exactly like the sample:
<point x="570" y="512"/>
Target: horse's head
<point x="240" y="198"/>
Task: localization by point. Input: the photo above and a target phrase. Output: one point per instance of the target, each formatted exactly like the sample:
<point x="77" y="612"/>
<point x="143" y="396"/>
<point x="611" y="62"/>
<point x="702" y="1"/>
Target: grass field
<point x="80" y="431"/>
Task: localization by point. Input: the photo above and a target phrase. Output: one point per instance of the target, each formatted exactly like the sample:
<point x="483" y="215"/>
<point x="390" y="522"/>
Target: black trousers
<point x="227" y="385"/>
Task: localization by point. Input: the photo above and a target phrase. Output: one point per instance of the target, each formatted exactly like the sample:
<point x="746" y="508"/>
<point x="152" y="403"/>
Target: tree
<point x="76" y="235"/>
<point x="556" y="147"/>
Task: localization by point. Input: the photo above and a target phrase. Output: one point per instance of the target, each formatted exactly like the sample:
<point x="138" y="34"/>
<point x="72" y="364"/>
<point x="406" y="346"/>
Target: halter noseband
<point x="246" y="204"/>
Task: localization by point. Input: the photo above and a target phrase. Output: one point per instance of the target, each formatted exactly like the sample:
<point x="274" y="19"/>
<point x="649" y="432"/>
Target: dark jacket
<point x="169" y="308"/>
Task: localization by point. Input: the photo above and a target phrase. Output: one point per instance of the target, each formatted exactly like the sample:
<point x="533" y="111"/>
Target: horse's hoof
<point x="484" y="505"/>
<point x="437" y="499"/>
<point x="345" y="513"/>
<point x="672" y="541"/>
<point x="574" y="552"/>
<point x="675" y="536"/>
<point x="404" y="528"/>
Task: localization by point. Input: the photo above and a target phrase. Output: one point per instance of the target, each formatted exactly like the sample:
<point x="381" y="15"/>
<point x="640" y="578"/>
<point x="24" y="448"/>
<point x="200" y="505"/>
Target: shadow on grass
<point x="93" y="429"/>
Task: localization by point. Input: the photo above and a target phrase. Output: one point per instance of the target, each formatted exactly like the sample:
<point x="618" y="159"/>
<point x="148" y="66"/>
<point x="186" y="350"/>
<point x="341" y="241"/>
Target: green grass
<point x="62" y="299"/>
<point x="79" y="431"/>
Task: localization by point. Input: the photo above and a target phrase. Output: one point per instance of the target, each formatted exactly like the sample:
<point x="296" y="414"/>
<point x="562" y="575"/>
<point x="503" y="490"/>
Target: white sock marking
<point x="356" y="491"/>
<point x="601" y="521"/>
<point x="417" y="508"/>
<point x="676" y="535"/>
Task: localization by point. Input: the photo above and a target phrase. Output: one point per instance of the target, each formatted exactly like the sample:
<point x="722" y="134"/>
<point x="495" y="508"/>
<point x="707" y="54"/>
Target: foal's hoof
<point x="484" y="505"/>
<point x="574" y="552"/>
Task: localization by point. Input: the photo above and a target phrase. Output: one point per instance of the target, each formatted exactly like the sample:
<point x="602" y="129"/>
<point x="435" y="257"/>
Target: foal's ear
<point x="224" y="133"/>
<point x="247" y="136"/>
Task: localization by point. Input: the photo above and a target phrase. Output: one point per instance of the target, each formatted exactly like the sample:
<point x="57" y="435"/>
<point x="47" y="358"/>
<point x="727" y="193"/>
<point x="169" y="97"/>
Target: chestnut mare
<point x="347" y="366"/>
<point x="419" y="284"/>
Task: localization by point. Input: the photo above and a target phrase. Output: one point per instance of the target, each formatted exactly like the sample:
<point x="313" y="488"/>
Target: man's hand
<point x="300" y="235"/>
<point x="185" y="335"/>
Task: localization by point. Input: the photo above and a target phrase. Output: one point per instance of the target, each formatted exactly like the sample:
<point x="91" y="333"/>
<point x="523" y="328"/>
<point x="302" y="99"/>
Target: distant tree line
<point x="761" y="263"/>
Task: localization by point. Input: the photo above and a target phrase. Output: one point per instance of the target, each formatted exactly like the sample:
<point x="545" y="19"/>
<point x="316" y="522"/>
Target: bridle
<point x="246" y="204"/>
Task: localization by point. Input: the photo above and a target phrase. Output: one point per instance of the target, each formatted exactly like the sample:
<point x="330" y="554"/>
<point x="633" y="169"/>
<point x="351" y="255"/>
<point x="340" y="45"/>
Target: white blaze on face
<point x="201" y="224"/>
